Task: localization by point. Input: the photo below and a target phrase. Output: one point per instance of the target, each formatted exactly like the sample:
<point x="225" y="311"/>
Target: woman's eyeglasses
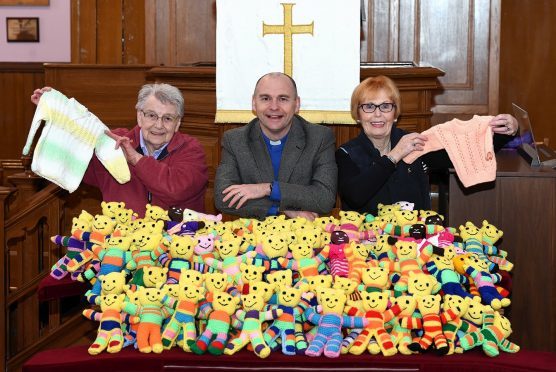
<point x="383" y="107"/>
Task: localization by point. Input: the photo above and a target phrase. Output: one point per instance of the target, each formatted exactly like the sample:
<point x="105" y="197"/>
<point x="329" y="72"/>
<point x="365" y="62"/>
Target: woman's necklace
<point x="384" y="149"/>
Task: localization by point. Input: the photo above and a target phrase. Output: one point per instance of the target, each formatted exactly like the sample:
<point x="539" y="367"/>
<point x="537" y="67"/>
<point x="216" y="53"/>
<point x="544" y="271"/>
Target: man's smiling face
<point x="275" y="102"/>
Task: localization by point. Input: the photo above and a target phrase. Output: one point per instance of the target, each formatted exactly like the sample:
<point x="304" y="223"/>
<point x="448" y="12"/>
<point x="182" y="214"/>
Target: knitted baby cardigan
<point x="67" y="141"/>
<point x="469" y="146"/>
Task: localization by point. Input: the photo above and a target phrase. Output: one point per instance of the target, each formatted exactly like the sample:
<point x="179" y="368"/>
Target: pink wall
<point x="54" y="30"/>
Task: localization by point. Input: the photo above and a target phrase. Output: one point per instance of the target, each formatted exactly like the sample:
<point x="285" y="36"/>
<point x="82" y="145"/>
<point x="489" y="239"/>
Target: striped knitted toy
<point x="67" y="141"/>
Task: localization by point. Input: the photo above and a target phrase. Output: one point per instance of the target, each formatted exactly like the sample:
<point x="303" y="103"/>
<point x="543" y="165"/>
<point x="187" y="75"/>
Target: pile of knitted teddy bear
<point x="398" y="282"/>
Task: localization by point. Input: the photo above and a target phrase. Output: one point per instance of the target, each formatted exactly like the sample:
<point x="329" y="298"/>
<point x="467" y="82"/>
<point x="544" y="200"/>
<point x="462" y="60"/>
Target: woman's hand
<point x="126" y="144"/>
<point x="407" y="144"/>
<point x="504" y="124"/>
<point x="37" y="94"/>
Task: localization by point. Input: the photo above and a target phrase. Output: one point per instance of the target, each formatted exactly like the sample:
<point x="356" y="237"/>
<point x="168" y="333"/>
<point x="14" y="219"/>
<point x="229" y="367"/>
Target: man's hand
<point x="126" y="144"/>
<point x="239" y="194"/>
<point x="305" y="214"/>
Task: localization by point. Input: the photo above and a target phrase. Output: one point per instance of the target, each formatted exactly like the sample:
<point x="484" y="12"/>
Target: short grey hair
<point x="165" y="93"/>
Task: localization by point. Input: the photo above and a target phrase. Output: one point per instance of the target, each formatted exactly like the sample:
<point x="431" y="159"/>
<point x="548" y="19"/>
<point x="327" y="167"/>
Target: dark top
<point x="365" y="178"/>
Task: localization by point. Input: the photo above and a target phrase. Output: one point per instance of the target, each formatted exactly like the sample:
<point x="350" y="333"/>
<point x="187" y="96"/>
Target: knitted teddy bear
<point x="407" y="261"/>
<point x="113" y="256"/>
<point x="151" y="313"/>
<point x="338" y="263"/>
<point x="74" y="247"/>
<point x="329" y="322"/>
<point x="401" y="335"/>
<point x="451" y="282"/>
<point x="477" y="269"/>
<point x="219" y="315"/>
<point x="421" y="284"/>
<point x="357" y="255"/>
<point x="185" y="310"/>
<point x="111" y="283"/>
<point x="109" y="334"/>
<point x="491" y="235"/>
<point x="351" y="223"/>
<point x="375" y="310"/>
<point x="303" y="260"/>
<point x="493" y="336"/>
<point x="459" y="306"/>
<point x="432" y="320"/>
<point x="252" y="317"/>
<point x="180" y="255"/>
<point x="230" y="261"/>
<point x="293" y="301"/>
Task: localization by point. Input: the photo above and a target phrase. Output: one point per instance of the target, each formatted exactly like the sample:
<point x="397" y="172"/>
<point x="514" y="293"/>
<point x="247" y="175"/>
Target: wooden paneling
<point x="522" y="203"/>
<point x="527" y="60"/>
<point x="17" y="82"/>
<point x="458" y="36"/>
<point x="108" y="31"/>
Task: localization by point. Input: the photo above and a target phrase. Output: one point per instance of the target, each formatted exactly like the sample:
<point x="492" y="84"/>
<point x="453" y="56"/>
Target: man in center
<point x="279" y="162"/>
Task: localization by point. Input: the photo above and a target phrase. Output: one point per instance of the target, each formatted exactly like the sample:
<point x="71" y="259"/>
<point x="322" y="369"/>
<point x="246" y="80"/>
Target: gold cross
<point x="288" y="29"/>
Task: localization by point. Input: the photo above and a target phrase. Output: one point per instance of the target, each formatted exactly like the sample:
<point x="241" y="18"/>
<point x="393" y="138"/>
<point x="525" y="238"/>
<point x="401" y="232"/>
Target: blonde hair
<point x="370" y="86"/>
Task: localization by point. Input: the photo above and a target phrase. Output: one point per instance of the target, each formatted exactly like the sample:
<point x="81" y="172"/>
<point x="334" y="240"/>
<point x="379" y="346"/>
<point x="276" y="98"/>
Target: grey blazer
<point x="307" y="175"/>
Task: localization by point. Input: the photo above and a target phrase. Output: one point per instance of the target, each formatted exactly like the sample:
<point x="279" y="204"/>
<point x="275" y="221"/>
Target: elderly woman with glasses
<point x="167" y="167"/>
<point x="370" y="166"/>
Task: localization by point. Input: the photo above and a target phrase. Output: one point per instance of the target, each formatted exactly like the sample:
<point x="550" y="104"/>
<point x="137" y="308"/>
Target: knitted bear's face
<point x="299" y="223"/>
<point x="80" y="224"/>
<point x="449" y="252"/>
<point x="290" y="296"/>
<point x="436" y="219"/>
<point x="421" y="284"/>
<point x="175" y="214"/>
<point x="321" y="222"/>
<point x="429" y="304"/>
<point x="112" y="301"/>
<point x="146" y="241"/>
<point x="103" y="224"/>
<point x="376" y="277"/>
<point x="280" y="278"/>
<point x="360" y="251"/>
<point x="310" y="237"/>
<point x="424" y="214"/>
<point x="154" y="227"/>
<point x="155" y="213"/>
<point x="150" y="296"/>
<point x="406" y="249"/>
<point x="182" y="247"/>
<point x="225" y="302"/>
<point x="279" y="226"/>
<point x="251" y="273"/>
<point x="470" y="231"/>
<point x="339" y="237"/>
<point x="123" y="216"/>
<point x="190" y="276"/>
<point x="387" y="209"/>
<point x="121" y="242"/>
<point x="405" y="217"/>
<point x="442" y="262"/>
<point x="153" y="276"/>
<point x="320" y="281"/>
<point x="407" y="304"/>
<point x="300" y="251"/>
<point x="189" y="215"/>
<point x="262" y="288"/>
<point x="227" y="248"/>
<point x="190" y="292"/>
<point x="346" y="285"/>
<point x="459" y="262"/>
<point x="418" y="231"/>
<point x="109" y="209"/>
<point x="375" y="301"/>
<point x="476" y="310"/>
<point x="405" y="205"/>
<point x="332" y="300"/>
<point x="490" y="232"/>
<point x="252" y="301"/>
<point x="478" y="264"/>
<point x="216" y="282"/>
<point x="503" y="324"/>
<point x="382" y="245"/>
<point x="173" y="290"/>
<point x="275" y="245"/>
<point x="112" y="283"/>
<point x="457" y="304"/>
<point x="351" y="217"/>
<point x="205" y="244"/>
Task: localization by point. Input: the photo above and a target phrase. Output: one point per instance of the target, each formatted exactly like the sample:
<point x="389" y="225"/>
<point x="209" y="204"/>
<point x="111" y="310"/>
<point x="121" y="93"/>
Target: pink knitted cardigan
<point x="469" y="146"/>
